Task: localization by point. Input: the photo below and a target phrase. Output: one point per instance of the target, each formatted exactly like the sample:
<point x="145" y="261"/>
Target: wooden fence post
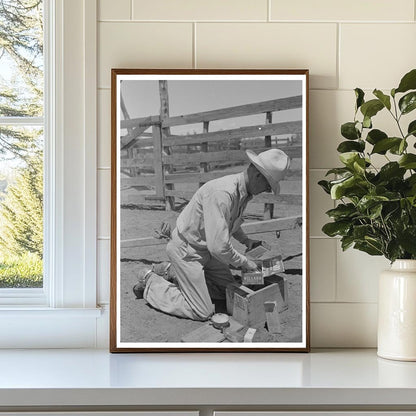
<point x="165" y="132"/>
<point x="204" y="148"/>
<point x="268" y="208"/>
<point x="158" y="162"/>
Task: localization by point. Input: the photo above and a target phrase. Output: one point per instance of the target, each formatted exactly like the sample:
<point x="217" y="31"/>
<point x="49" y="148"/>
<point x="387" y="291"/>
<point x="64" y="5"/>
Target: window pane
<point x="21" y="210"/>
<point x="21" y="58"/>
<point x="21" y="146"/>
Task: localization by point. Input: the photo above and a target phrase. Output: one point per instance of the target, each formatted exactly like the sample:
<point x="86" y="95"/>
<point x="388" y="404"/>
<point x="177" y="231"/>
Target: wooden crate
<point x="247" y="305"/>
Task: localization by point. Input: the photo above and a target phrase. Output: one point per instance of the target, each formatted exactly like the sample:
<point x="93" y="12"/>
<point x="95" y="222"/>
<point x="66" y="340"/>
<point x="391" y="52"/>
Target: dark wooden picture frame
<point x="172" y="131"/>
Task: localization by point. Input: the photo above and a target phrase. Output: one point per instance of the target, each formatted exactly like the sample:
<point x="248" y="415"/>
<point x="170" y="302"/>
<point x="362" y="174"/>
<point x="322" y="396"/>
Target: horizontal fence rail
<point x="154" y="159"/>
<point x="238" y="111"/>
<point x="147" y="159"/>
<point x="290" y="127"/>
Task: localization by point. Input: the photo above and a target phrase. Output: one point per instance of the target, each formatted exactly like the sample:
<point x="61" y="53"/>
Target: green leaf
<point x="408" y="82"/>
<point x="367" y="122"/>
<point x="368" y="248"/>
<point x="340" y="188"/>
<point x="391" y="170"/>
<point x="383" y="145"/>
<point x="407" y="240"/>
<point x="346" y="242"/>
<point x="359" y="95"/>
<point x="400" y="148"/>
<point x="408" y="161"/>
<point x="336" y="228"/>
<point x="338" y="171"/>
<point x="385" y="99"/>
<point x="342" y="211"/>
<point x="359" y="165"/>
<point x="393" y="92"/>
<point x="361" y="231"/>
<point x="411" y="130"/>
<point x="369" y="201"/>
<point x="349" y="131"/>
<point x="371" y="108"/>
<point x="375" y="211"/>
<point x="349" y="146"/>
<point x="348" y="158"/>
<point x="408" y="102"/>
<point x="325" y="186"/>
<point x="375" y="136"/>
<point x="393" y="250"/>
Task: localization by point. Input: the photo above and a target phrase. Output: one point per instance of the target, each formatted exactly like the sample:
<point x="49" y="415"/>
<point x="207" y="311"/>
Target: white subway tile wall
<point x="323" y="269"/>
<point x="270" y="45"/>
<point x="104" y="128"/>
<point x="355" y="10"/>
<point x="319" y="203"/>
<point x="103" y="271"/>
<point x="204" y="10"/>
<point x="375" y="55"/>
<point x="114" y="10"/>
<point x="104" y="202"/>
<point x="344" y="44"/>
<point x="146" y="45"/>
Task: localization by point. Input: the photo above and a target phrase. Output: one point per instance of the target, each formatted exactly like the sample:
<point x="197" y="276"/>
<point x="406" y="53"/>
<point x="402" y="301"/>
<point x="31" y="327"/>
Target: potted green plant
<point x="376" y="206"/>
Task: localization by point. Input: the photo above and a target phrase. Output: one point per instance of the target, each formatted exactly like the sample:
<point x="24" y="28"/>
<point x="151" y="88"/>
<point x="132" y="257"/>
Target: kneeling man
<point x="200" y="250"/>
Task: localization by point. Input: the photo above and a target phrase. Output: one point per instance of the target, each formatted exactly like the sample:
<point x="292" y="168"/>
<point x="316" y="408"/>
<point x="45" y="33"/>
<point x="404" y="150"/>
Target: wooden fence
<point x="172" y="164"/>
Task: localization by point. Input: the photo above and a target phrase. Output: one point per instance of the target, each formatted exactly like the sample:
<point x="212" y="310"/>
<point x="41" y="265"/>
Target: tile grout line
<point x="344" y="303"/>
<point x="269" y="11"/>
<point x="306" y="22"/>
<point x="336" y="271"/>
<point x="338" y="63"/>
<point x="131" y="9"/>
<point x="194" y="62"/>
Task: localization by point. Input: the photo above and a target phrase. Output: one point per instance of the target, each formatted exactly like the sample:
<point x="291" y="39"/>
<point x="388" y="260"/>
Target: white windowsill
<point x="40" y="327"/>
<point x="323" y="378"/>
<point x="36" y="312"/>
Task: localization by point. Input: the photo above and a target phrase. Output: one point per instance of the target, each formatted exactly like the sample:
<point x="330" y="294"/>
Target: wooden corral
<point x="161" y="160"/>
<point x="170" y="167"/>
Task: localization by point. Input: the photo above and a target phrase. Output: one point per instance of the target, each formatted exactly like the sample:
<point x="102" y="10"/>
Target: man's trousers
<point x="200" y="279"/>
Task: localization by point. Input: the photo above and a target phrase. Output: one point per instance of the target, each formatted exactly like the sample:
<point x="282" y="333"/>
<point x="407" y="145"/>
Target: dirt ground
<point x="142" y="323"/>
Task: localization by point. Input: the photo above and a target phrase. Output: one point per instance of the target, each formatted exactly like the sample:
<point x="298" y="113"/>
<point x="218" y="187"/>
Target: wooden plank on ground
<point x="279" y="104"/>
<point x="142" y="242"/>
<point x="288" y="127"/>
<point x="205" y="333"/>
<point x="276" y="224"/>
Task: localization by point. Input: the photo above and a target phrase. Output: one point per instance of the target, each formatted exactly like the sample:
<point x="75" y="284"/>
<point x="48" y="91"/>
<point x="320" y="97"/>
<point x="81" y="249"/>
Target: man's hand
<point x="164" y="232"/>
<point x="251" y="266"/>
<point x="250" y="244"/>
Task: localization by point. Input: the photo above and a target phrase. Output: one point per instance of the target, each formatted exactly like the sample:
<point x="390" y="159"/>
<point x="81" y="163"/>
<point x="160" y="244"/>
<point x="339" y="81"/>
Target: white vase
<point x="397" y="312"/>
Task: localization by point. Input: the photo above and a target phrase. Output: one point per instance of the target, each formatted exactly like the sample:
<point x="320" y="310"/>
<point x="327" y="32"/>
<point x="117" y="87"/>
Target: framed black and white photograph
<point x="209" y="210"/>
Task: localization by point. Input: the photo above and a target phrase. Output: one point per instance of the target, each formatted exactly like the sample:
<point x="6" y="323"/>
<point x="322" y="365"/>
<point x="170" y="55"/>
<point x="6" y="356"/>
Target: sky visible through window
<point x="21" y="143"/>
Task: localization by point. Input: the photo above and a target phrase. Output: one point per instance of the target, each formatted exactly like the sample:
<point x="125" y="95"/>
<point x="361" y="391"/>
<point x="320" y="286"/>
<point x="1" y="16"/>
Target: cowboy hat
<point x="272" y="164"/>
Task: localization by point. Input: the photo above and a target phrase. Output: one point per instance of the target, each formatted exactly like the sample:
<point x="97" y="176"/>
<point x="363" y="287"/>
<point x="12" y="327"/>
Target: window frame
<point x="69" y="292"/>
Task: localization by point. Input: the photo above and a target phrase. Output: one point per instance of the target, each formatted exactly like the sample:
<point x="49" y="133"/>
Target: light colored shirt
<point x="213" y="215"/>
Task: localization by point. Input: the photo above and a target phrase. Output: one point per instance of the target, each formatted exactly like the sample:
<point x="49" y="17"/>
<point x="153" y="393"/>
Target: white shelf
<point x="58" y="378"/>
